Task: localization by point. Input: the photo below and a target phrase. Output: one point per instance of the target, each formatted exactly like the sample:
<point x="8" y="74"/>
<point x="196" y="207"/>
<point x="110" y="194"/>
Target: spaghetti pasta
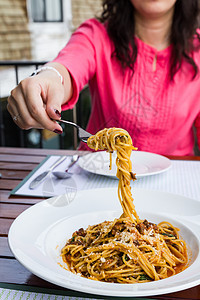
<point x="127" y="249"/>
<point x="117" y="139"/>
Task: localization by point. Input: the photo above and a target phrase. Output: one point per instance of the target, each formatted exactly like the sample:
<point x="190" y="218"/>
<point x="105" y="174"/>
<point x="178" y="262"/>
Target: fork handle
<point x="71" y="164"/>
<point x="68" y="122"/>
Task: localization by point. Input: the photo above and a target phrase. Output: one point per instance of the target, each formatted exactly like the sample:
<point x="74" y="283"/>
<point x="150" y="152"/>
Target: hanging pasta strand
<point x="119" y="140"/>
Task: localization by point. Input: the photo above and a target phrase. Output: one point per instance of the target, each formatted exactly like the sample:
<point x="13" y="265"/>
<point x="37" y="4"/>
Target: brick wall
<point x="15" y="43"/>
<point x="83" y="10"/>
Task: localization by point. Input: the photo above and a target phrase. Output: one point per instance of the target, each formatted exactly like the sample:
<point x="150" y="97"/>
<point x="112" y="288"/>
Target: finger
<point x="55" y="98"/>
<point x="12" y="104"/>
<point x="18" y="108"/>
<point x="33" y="92"/>
<point x="11" y="107"/>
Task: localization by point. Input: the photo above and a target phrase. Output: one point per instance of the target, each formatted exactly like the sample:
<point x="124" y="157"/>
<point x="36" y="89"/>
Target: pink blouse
<point x="158" y="114"/>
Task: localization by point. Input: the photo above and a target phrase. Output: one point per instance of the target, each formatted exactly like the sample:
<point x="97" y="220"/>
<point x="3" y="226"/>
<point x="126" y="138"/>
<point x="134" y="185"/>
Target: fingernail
<point x="57" y="131"/>
<point x="57" y="112"/>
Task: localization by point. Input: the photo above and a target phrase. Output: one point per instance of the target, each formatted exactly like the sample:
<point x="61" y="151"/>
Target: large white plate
<point x="38" y="234"/>
<point x="143" y="163"/>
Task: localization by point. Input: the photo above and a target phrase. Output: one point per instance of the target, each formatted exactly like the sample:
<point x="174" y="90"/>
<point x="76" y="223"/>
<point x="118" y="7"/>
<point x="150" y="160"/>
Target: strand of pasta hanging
<point x="119" y="140"/>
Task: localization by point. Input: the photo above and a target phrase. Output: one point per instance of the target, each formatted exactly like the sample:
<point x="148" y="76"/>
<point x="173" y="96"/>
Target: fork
<point x="82" y="134"/>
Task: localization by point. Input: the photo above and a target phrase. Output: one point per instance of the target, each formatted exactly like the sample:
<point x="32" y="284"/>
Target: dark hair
<point x="119" y="18"/>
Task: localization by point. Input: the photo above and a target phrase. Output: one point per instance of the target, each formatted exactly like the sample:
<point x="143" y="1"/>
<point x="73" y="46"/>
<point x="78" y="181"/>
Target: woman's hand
<point x="38" y="99"/>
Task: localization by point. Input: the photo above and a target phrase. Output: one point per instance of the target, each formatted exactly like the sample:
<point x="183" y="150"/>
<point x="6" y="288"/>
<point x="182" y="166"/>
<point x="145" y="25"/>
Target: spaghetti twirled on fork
<point x="117" y="139"/>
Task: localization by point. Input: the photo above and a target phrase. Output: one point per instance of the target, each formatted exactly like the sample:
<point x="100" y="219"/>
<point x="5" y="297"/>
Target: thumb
<point x="54" y="100"/>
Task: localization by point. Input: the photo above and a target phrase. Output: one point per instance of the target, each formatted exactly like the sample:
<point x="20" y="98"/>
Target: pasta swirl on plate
<point x="126" y="250"/>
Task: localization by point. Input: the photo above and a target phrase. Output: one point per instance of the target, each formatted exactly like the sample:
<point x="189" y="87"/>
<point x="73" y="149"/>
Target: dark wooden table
<point x="15" y="165"/>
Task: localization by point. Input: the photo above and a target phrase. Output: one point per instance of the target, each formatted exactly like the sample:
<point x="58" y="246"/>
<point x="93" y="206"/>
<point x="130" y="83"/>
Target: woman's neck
<point x="154" y="32"/>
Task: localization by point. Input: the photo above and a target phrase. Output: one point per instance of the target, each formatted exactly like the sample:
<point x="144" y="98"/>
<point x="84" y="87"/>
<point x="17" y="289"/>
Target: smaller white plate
<point x="143" y="163"/>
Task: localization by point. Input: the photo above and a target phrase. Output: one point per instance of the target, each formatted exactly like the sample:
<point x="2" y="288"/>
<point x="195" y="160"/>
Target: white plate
<point x="38" y="234"/>
<point x="143" y="163"/>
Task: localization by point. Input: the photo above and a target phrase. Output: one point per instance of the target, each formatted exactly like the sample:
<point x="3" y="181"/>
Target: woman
<point x="141" y="60"/>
